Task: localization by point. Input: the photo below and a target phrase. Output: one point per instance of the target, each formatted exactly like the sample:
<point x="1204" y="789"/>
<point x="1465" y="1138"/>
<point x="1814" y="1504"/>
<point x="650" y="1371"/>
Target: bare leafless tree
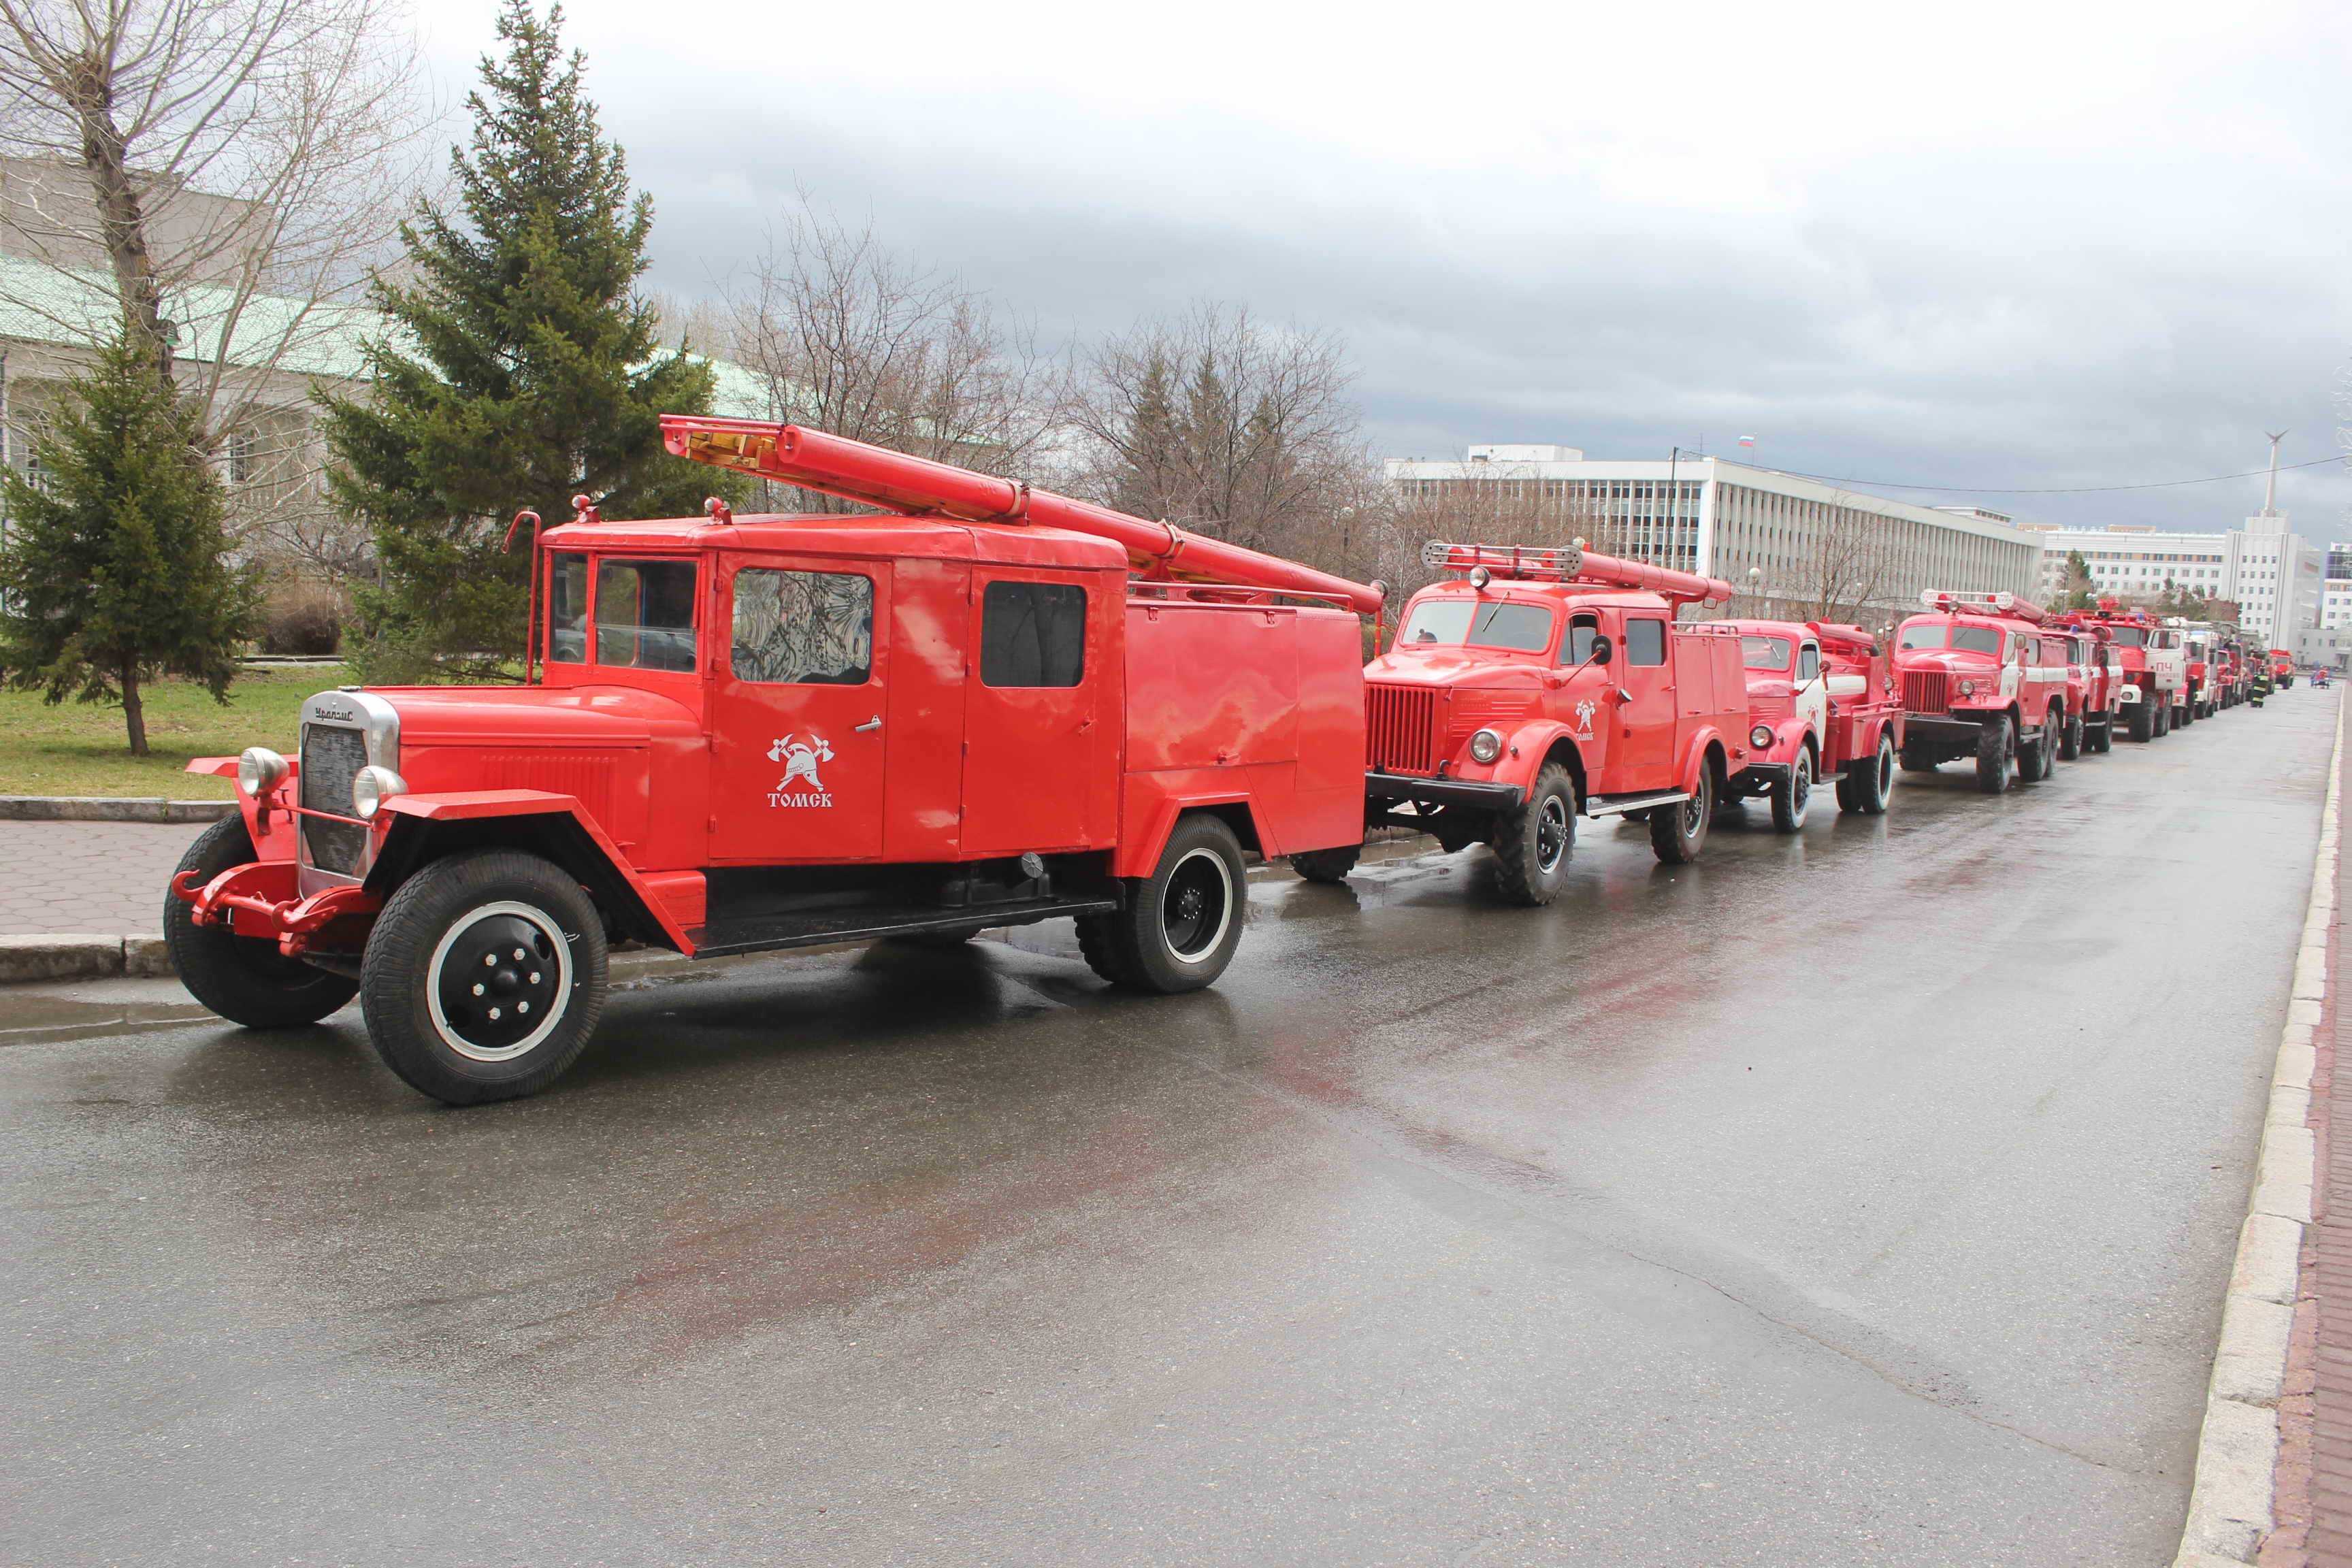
<point x="841" y="332"/>
<point x="1219" y="422"/>
<point x="219" y="172"/>
<point x="1508" y="505"/>
<point x="1843" y="574"/>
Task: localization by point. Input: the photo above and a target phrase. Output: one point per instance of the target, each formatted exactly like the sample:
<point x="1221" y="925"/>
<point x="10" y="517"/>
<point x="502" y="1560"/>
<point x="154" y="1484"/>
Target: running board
<point x="767" y="933"/>
<point x="1598" y="806"/>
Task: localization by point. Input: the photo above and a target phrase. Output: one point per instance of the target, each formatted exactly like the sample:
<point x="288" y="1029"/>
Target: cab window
<point x="1032" y="634"/>
<point x="1922" y="634"/>
<point x="1582" y="631"/>
<point x="1977" y="640"/>
<point x="567" y="609"/>
<point x="803" y="628"/>
<point x="1479" y="623"/>
<point x="1759" y="652"/>
<point x="1645" y="642"/>
<point x="1809" y="663"/>
<point x="645" y="613"/>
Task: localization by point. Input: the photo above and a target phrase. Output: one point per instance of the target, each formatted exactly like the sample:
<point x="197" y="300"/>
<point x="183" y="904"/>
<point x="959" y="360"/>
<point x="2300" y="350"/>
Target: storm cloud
<point x="2042" y="251"/>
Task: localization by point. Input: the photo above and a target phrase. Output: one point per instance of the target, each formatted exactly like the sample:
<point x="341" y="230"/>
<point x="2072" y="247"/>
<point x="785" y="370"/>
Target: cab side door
<point x="1812" y="703"/>
<point x="1646" y="710"/>
<point x="798" y="748"/>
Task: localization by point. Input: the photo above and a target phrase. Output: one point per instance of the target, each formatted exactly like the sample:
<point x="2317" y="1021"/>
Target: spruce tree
<point x="523" y="369"/>
<point x="116" y="568"/>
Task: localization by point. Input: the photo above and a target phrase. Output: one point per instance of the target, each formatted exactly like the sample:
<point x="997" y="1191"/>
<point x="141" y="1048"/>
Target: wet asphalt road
<point x="1862" y="1198"/>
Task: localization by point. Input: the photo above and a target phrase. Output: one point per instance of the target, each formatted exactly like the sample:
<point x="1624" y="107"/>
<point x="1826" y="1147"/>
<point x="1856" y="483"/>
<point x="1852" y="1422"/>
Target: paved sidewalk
<point x="107" y="878"/>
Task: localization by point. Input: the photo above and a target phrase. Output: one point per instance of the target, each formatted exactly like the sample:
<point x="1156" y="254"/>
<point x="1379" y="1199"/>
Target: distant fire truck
<point x="1976" y="681"/>
<point x="1821" y="705"/>
<point x="2092" y="681"/>
<point x="2282" y="668"/>
<point x="744" y="734"/>
<point x="2200" y="676"/>
<point x="1538" y="685"/>
<point x="2229" y="661"/>
<point x="2154" y="667"/>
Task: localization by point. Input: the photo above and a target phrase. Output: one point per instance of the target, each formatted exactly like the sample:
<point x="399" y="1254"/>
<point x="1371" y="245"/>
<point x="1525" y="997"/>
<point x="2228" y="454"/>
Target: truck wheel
<point x="1182" y="924"/>
<point x="245" y="979"/>
<point x="2070" y="739"/>
<point x="1996" y="754"/>
<point x="484" y="976"/>
<point x="2141" y="726"/>
<point x="1867" y="789"/>
<point x="1099" y="945"/>
<point x="1677" y="833"/>
<point x="1532" y="844"/>
<point x="1328" y="866"/>
<point x="1793" y="794"/>
<point x="1917" y="758"/>
<point x="2163" y="718"/>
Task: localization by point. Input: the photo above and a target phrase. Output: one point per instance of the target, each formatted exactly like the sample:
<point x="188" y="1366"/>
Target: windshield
<point x="2131" y="637"/>
<point x="1497" y="622"/>
<point x="1764" y="652"/>
<point x="1967" y="639"/>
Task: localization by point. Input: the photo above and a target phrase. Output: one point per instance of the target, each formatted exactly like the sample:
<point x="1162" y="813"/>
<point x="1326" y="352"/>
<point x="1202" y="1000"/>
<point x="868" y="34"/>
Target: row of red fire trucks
<point x="979" y="705"/>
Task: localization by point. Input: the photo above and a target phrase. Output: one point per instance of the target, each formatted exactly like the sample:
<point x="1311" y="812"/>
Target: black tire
<point x="2101" y="737"/>
<point x="2070" y="739"/>
<point x="2184" y="715"/>
<point x="1873" y="787"/>
<point x="1793" y="793"/>
<point x="245" y="979"/>
<point x="1098" y="945"/>
<point x="2141" y="726"/>
<point x="1846" y="798"/>
<point x="1328" y="866"/>
<point x="2034" y="758"/>
<point x="1182" y="924"/>
<point x="1996" y="755"/>
<point x="2163" y="718"/>
<point x="1917" y="757"/>
<point x="467" y="1042"/>
<point x="1533" y="843"/>
<point x="1677" y="833"/>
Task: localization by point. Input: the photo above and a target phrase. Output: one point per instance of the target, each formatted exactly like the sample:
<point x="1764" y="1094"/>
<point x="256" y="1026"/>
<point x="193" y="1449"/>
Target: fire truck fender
<point x="427" y="828"/>
<point x="1155" y="818"/>
<point x="1533" y="746"/>
<point x="1703" y="748"/>
<point x="1791" y="734"/>
<point x="272" y="834"/>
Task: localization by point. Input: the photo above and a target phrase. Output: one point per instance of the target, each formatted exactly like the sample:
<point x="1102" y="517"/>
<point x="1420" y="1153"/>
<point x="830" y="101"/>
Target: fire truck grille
<point x="331" y="757"/>
<point x="1927" y="691"/>
<point x="1401" y="728"/>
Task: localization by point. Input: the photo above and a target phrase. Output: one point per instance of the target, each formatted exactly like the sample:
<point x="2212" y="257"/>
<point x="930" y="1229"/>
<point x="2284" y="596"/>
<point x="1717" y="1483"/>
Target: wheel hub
<point x="499" y="982"/>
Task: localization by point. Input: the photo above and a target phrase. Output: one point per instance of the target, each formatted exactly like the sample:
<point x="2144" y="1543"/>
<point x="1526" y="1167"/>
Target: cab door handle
<point x="871" y="725"/>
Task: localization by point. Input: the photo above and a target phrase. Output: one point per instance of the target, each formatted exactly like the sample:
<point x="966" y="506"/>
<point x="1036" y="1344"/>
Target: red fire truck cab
<point x="1820" y="705"/>
<point x="2282" y="668"/>
<point x="773" y="732"/>
<point x="1977" y="682"/>
<point x="1536" y="685"/>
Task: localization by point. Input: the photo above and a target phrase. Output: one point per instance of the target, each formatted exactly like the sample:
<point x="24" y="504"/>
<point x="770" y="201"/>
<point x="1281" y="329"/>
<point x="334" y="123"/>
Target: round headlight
<point x="1485" y="746"/>
<point x="1480" y="576"/>
<point x="371" y="786"/>
<point x="259" y="770"/>
<point x="1967" y="689"/>
<point x="1760" y="736"/>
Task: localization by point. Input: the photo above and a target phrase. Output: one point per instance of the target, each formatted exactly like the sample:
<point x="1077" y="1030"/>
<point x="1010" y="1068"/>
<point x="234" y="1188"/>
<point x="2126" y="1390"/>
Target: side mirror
<point x="1603" y="650"/>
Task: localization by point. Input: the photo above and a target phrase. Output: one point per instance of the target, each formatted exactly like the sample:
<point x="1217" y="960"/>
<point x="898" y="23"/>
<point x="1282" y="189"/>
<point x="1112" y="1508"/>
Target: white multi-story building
<point x="2127" y="560"/>
<point x="1778" y="538"/>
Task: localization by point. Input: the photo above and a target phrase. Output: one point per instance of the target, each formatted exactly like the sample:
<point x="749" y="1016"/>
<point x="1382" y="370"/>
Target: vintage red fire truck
<point x="748" y="733"/>
<point x="2200" y="676"/>
<point x="1538" y="684"/>
<point x="1977" y="682"/>
<point x="2229" y="666"/>
<point x="2092" y="682"/>
<point x="1822" y="704"/>
<point x="2282" y="668"/>
<point x="2154" y="667"/>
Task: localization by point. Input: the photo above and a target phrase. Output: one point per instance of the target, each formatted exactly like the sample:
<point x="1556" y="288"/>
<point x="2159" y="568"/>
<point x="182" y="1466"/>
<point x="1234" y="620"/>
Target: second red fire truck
<point x="1821" y="705"/>
<point x="1538" y="686"/>
<point x="1976" y="683"/>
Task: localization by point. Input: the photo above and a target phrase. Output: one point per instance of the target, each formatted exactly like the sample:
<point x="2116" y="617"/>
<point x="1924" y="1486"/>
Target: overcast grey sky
<point x="2048" y="244"/>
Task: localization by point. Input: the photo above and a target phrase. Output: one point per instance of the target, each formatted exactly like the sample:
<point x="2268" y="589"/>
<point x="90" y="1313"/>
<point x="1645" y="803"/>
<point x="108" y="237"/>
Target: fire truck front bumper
<point x="1963" y="724"/>
<point x="1478" y="794"/>
<point x="261" y="898"/>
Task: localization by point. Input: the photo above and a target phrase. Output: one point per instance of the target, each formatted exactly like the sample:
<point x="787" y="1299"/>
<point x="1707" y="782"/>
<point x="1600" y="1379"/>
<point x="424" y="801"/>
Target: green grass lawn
<point x="81" y="748"/>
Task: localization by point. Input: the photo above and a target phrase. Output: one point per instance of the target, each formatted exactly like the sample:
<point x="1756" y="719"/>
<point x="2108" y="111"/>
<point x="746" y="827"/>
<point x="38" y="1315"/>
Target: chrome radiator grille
<point x="331" y="757"/>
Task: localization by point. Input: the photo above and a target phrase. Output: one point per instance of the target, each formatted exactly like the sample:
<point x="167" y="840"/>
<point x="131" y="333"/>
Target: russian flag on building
<point x="1747" y="440"/>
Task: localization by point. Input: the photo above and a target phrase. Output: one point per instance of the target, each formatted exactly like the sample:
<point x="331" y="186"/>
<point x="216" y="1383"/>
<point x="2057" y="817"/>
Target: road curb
<point x="2229" y="1511"/>
<point x="110" y="808"/>
<point x="80" y="955"/>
